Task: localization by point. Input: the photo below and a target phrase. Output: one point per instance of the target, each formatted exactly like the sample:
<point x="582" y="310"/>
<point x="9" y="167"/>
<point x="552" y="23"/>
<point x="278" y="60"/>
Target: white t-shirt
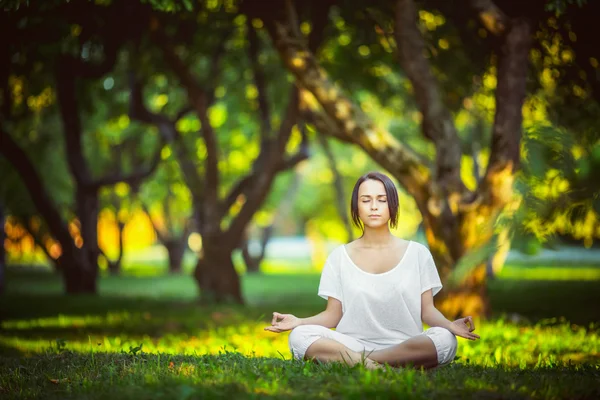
<point x="380" y="310"/>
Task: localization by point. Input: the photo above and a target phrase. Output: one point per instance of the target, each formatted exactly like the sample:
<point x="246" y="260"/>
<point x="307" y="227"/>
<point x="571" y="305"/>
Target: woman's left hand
<point x="464" y="327"/>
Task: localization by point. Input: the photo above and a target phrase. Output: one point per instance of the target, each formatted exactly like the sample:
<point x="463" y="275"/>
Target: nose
<point x="373" y="205"/>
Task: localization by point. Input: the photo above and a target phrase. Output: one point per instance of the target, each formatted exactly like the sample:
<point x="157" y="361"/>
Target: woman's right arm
<point x="328" y="318"/>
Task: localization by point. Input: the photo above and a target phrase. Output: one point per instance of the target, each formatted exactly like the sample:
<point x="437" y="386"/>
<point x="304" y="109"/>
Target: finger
<point x="272" y="329"/>
<point x="466" y="335"/>
<point x="462" y="335"/>
<point x="470" y="336"/>
<point x="275" y="316"/>
<point x="469" y="322"/>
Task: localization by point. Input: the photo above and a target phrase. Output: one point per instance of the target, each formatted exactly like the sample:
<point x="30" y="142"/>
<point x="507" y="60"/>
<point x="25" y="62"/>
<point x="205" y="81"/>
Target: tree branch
<point x="69" y="111"/>
<point x="25" y="221"/>
<point x="259" y="82"/>
<point x="350" y="121"/>
<point x="325" y="125"/>
<point x="289" y="120"/>
<point x="510" y="95"/>
<point x="301" y="155"/>
<point x="239" y="188"/>
<point x="216" y="59"/>
<point x="163" y="237"/>
<point x="492" y="17"/>
<point x="138" y="111"/>
<point x="437" y="125"/>
<point x="35" y="187"/>
<point x="87" y="70"/>
<point x="342" y="205"/>
<point x="244" y="184"/>
<point x="133" y="177"/>
<point x="198" y="98"/>
<point x="265" y="167"/>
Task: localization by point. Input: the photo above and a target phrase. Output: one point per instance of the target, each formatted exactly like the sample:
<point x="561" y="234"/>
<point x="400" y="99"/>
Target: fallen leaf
<point x="57" y="381"/>
<point x="171" y="364"/>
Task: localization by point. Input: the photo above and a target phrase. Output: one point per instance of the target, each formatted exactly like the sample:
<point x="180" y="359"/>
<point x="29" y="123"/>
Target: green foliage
<point x="560" y="6"/>
<point x="60" y="345"/>
<point x="470" y="261"/>
<point x="560" y="194"/>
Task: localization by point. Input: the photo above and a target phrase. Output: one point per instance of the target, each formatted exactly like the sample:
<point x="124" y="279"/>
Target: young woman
<point x="379" y="290"/>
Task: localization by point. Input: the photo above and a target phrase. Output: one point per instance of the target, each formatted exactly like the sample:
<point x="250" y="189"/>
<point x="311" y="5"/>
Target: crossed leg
<point x="329" y="350"/>
<point x="418" y="351"/>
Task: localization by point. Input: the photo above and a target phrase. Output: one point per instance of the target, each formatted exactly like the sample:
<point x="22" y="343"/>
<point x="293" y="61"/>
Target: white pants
<point x="303" y="336"/>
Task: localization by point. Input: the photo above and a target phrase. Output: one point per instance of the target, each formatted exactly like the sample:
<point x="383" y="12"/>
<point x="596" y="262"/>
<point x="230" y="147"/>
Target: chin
<point x="376" y="225"/>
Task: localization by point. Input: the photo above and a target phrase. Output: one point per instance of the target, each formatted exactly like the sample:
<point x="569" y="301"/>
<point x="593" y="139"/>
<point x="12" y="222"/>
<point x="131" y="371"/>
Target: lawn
<point x="147" y="337"/>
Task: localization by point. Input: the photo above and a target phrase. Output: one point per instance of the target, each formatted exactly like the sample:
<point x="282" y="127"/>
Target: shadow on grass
<point x="231" y="375"/>
<point x="32" y="294"/>
<point x="575" y="301"/>
<point x="9" y="351"/>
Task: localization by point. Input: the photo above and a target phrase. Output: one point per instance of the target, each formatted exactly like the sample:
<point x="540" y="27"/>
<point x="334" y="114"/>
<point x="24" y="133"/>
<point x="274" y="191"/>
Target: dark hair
<point x="390" y="191"/>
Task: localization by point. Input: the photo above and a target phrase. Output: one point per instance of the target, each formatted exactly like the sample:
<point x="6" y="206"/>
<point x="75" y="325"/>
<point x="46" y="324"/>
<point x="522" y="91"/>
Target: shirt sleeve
<point x="430" y="279"/>
<point x="330" y="285"/>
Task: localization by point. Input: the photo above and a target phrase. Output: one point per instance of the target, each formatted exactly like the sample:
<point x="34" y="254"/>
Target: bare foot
<point x="370" y="364"/>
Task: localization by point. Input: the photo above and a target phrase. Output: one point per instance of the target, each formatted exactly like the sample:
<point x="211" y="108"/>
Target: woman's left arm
<point x="431" y="316"/>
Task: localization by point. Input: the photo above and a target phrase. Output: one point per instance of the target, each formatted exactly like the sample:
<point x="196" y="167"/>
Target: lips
<point x="374" y="216"/>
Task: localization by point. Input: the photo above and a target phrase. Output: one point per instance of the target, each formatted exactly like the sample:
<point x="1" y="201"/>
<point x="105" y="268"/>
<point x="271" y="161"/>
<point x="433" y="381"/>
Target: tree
<point x="221" y="213"/>
<point x="67" y="71"/>
<point x="282" y="211"/>
<point x="456" y="220"/>
<point x="173" y="224"/>
<point x="561" y="150"/>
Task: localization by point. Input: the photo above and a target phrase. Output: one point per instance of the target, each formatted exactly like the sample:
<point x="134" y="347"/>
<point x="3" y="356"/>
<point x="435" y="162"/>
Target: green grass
<point x="543" y="342"/>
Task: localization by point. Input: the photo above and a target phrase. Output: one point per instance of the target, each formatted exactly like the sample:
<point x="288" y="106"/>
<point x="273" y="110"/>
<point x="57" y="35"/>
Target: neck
<point x="381" y="237"/>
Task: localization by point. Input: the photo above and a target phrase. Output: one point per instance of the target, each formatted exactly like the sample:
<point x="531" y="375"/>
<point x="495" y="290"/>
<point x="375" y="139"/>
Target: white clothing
<point x="303" y="336"/>
<point x="380" y="310"/>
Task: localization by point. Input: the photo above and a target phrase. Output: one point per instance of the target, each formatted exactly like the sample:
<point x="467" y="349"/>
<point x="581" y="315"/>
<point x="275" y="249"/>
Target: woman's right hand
<point x="283" y="322"/>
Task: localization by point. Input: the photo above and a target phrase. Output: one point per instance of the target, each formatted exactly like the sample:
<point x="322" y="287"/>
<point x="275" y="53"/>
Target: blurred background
<point x="206" y="151"/>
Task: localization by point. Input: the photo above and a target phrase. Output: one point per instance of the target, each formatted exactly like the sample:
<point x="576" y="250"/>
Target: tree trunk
<point x="83" y="279"/>
<point x="2" y="251"/>
<point x="470" y="297"/>
<point x="253" y="262"/>
<point x="176" y="251"/>
<point x="78" y="280"/>
<point x="215" y="274"/>
<point x="71" y="259"/>
<point x="114" y="267"/>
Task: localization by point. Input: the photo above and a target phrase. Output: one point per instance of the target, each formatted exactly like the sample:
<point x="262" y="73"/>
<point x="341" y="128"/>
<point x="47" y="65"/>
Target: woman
<point x="379" y="289"/>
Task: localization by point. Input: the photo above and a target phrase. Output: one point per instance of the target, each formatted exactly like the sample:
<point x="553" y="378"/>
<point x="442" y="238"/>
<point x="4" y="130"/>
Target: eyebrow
<point x="379" y="195"/>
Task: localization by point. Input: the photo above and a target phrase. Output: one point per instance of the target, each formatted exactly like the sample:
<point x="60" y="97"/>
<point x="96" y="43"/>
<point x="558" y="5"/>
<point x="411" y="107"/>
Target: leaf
<point x="469" y="261"/>
<point x="134" y="350"/>
<point x="188" y="5"/>
<point x="58" y="381"/>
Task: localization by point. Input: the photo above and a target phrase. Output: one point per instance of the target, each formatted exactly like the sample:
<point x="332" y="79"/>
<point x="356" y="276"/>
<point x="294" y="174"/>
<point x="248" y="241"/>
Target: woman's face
<point x="373" y="207"/>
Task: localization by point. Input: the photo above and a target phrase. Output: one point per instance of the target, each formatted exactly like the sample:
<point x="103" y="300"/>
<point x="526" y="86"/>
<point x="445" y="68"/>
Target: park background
<point x="172" y="172"/>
